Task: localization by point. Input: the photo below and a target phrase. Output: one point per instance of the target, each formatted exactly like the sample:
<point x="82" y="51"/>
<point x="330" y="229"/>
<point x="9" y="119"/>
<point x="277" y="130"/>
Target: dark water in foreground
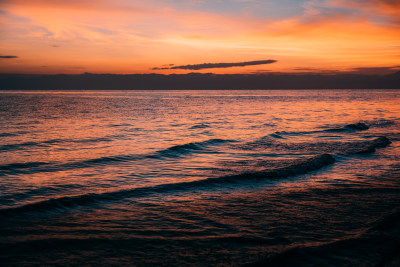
<point x="202" y="178"/>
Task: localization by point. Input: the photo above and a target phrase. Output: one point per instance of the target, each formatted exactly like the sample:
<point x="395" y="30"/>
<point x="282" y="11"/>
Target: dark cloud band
<point x="8" y="56"/>
<point x="218" y="65"/>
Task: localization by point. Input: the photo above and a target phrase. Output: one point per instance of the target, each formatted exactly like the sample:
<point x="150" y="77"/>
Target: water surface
<point x="200" y="178"/>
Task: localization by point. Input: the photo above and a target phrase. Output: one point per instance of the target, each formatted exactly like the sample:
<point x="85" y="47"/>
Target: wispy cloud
<point x="378" y="11"/>
<point x="217" y="65"/>
<point x="8" y="56"/>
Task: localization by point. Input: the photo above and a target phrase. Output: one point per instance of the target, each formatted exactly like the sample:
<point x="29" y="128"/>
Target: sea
<point x="200" y="178"/>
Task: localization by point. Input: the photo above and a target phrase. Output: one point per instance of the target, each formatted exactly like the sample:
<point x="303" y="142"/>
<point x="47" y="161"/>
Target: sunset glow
<point x="122" y="36"/>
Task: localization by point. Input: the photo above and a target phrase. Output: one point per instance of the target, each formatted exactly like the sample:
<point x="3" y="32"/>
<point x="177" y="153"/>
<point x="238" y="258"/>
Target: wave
<point x="360" y="126"/>
<point x="7" y="134"/>
<point x="383" y="123"/>
<point x="276" y="135"/>
<point x="11" y="147"/>
<point x="93" y="140"/>
<point x="176" y="151"/>
<point x="18" y="146"/>
<point x="200" y="126"/>
<point x="185" y="149"/>
<point x="333" y="147"/>
<point x="297" y="167"/>
<point x="365" y="125"/>
<point x="37" y="167"/>
<point x="366" y="146"/>
<point x="348" y="128"/>
<point x="269" y="125"/>
<point x="41" y="191"/>
<point x="171" y="152"/>
<point x="20" y="166"/>
<point x="300" y="166"/>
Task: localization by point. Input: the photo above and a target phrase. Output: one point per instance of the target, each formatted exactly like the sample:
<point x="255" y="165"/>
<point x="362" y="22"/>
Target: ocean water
<point x="200" y="178"/>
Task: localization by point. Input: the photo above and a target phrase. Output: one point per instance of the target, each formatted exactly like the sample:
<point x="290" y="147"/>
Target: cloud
<point x="218" y="65"/>
<point x="101" y="30"/>
<point x="377" y="10"/>
<point x="8" y="57"/>
<point x="358" y="70"/>
<point x="375" y="70"/>
<point x="376" y="3"/>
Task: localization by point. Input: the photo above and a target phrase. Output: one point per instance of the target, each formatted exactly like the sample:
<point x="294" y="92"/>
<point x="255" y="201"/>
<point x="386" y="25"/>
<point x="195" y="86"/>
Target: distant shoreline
<point x="197" y="81"/>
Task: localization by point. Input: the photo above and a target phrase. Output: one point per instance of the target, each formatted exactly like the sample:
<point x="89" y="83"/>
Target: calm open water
<point x="200" y="178"/>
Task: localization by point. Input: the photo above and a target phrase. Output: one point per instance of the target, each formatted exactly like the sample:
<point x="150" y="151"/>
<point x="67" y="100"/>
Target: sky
<point x="219" y="36"/>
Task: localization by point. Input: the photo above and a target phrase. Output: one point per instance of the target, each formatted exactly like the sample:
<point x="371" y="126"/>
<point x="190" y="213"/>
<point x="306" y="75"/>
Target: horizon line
<point x="219" y="74"/>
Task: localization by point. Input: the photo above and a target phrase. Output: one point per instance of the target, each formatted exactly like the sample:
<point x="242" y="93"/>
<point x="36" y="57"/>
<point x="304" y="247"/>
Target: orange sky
<point x="125" y="36"/>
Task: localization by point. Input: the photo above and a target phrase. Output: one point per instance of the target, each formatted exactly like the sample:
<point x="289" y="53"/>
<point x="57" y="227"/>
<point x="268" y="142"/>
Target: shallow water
<point x="305" y="177"/>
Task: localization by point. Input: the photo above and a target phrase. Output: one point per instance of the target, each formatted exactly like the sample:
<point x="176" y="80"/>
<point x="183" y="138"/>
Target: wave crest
<point x="301" y="166"/>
